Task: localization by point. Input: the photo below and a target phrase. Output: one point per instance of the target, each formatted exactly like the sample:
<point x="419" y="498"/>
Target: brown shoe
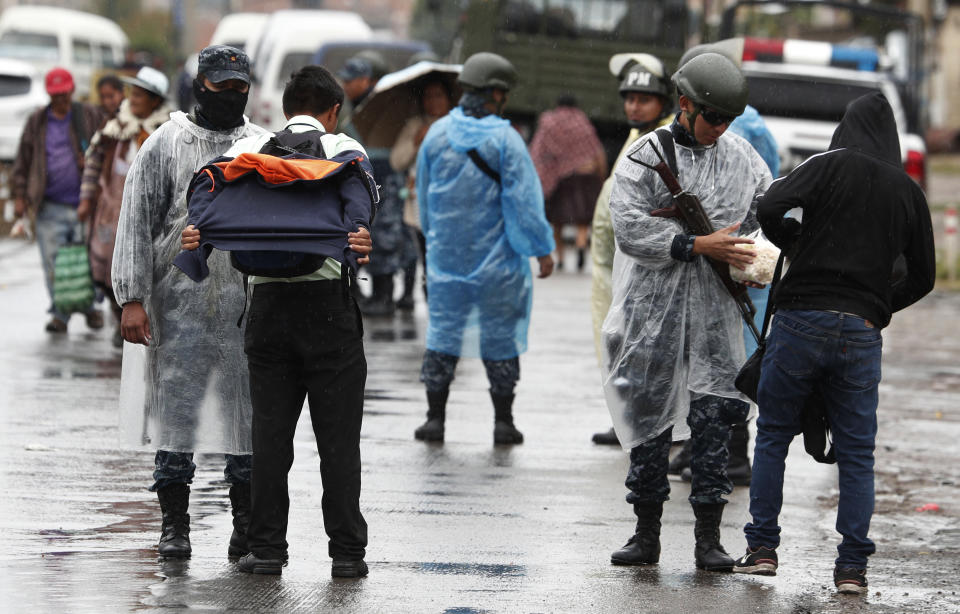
<point x="56" y="326"/>
<point x="94" y="319"/>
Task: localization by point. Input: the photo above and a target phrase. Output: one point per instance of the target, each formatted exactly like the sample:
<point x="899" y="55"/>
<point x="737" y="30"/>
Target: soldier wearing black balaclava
<point x="193" y="374"/>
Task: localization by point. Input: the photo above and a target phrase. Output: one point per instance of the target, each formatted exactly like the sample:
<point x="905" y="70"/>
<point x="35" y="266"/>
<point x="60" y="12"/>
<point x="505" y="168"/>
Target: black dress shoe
<point x="348" y="569"/>
<point x="251" y="563"/>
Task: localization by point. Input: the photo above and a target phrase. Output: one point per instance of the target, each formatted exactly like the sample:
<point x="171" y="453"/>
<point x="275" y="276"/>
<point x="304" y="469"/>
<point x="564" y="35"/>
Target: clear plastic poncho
<point x="750" y="125"/>
<point x="479" y="236"/>
<point x="673" y="332"/>
<point x="188" y="391"/>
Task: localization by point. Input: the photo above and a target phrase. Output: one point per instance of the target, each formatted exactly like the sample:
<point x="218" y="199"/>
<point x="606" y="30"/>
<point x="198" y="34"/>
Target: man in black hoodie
<point x="863" y="251"/>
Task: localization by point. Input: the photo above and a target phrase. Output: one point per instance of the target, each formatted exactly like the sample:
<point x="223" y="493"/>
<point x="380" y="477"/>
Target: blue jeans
<point x="57" y="225"/>
<point x="178" y="468"/>
<point x="839" y="355"/>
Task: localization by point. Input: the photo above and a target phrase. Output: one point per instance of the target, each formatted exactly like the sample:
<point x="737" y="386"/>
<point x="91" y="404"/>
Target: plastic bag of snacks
<point x="761" y="271"/>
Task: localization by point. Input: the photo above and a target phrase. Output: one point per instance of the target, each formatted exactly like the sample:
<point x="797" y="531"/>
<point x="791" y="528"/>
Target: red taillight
<point x="762" y="50"/>
<point x="916" y="167"/>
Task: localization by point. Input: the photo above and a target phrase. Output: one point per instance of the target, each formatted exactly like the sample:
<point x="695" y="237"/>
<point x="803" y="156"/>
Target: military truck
<point x="558" y="47"/>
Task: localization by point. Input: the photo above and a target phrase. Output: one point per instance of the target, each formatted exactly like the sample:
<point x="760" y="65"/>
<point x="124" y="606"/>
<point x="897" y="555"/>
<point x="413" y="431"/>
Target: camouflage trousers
<point x="438" y="371"/>
<point x="710" y="419"/>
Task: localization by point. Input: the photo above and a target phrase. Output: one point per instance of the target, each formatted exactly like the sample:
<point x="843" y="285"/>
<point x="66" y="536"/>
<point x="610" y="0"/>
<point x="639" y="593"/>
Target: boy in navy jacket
<point x="304" y="336"/>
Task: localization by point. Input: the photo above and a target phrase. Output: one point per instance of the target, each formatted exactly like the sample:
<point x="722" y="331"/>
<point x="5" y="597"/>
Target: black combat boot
<point x="682" y="459"/>
<point x="432" y="429"/>
<point x="381" y="301"/>
<point x="709" y="554"/>
<point x="240" y="506"/>
<point x="738" y="467"/>
<point x="606" y="438"/>
<point x="503" y="430"/>
<point x="175" y="534"/>
<point x="644" y="547"/>
<point x="409" y="281"/>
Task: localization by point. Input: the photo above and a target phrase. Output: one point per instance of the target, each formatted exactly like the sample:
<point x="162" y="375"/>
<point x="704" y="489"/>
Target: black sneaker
<point x="251" y="563"/>
<point x="760" y="562"/>
<point x="348" y="569"/>
<point x="850" y="580"/>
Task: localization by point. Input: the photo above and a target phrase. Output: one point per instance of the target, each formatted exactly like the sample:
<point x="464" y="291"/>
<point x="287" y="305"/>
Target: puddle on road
<point x="491" y="570"/>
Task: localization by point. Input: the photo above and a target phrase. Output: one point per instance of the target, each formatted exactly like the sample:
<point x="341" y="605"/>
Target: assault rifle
<point x="688" y="208"/>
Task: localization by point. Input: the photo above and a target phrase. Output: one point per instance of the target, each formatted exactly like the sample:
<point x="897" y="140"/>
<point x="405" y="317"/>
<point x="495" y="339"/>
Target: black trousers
<point x="306" y="340"/>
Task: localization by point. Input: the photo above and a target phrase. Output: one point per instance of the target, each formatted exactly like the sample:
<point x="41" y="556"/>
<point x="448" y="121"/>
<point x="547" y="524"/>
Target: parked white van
<point x="21" y="93"/>
<point x="48" y="36"/>
<point x="240" y="30"/>
<point x="287" y="43"/>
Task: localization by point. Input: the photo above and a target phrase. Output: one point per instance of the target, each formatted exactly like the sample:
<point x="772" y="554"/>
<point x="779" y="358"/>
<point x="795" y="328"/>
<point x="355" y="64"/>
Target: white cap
<point x="151" y="80"/>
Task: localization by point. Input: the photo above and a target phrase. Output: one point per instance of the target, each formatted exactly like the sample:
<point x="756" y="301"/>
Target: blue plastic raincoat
<point x="480" y="236"/>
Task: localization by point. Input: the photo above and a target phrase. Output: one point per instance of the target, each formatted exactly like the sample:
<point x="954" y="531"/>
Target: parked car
<point x="802" y="88"/>
<point x="47" y="36"/>
<point x="288" y="42"/>
<point x="21" y="92"/>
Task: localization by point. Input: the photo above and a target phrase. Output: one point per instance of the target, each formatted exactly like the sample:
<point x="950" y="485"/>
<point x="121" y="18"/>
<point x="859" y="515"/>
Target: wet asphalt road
<point x="460" y="527"/>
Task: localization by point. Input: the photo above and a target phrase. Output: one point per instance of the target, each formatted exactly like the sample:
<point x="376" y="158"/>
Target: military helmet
<point x="714" y="81"/>
<point x="487" y="70"/>
<point x="378" y="66"/>
<point x="730" y="47"/>
<point x="620" y="63"/>
<point x="638" y="78"/>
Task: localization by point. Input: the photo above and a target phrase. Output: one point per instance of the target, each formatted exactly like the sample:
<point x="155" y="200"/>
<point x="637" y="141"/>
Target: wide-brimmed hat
<point x="149" y="79"/>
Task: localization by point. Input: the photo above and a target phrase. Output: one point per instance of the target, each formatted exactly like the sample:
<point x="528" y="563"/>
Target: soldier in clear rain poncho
<point x="195" y="392"/>
<point x="481" y="209"/>
<point x="673" y="339"/>
<point x="749" y="125"/>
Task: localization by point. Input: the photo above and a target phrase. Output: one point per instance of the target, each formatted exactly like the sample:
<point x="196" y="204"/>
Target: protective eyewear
<point x="715" y="118"/>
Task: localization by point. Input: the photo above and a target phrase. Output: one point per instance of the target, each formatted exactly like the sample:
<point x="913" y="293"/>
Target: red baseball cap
<point x="59" y="81"/>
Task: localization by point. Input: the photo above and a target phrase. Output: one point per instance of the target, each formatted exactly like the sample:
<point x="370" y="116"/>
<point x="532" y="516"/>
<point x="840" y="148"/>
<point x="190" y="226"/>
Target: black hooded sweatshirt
<point x="863" y="217"/>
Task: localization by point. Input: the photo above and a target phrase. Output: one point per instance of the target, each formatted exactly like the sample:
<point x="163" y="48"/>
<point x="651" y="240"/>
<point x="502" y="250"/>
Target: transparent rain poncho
<point x="188" y="391"/>
<point x="602" y="247"/>
<point x="673" y="332"/>
<point x="479" y="237"/>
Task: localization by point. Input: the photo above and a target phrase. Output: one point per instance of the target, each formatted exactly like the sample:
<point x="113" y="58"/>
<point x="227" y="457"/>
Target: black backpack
<point x="275" y="263"/>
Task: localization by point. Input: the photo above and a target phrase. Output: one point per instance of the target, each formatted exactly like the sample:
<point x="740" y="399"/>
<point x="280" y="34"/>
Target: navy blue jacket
<point x="295" y="203"/>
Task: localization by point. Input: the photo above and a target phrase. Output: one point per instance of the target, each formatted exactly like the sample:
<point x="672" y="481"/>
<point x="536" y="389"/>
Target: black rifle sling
<point x="483" y="166"/>
<point x="669" y="150"/>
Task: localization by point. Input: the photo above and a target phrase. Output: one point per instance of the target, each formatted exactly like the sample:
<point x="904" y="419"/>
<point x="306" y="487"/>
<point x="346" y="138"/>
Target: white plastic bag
<point x="765" y="263"/>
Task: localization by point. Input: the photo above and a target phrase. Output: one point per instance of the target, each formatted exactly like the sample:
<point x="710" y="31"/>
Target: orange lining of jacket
<point x="276" y="170"/>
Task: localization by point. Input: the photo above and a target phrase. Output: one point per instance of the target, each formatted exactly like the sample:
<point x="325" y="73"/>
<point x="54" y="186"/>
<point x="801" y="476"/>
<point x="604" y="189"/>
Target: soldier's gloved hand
<point x="190" y="238"/>
<point x="722" y="245"/>
<point x="361" y="243"/>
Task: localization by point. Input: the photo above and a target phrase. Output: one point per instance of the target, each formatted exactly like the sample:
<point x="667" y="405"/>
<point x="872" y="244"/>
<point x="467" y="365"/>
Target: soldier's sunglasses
<point x="715" y="118"/>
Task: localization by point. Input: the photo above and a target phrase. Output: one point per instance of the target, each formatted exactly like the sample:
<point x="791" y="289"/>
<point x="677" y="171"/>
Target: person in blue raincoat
<point x="481" y="210"/>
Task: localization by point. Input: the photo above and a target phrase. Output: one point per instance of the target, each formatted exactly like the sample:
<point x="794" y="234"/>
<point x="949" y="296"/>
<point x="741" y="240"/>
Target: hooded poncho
<point x="861" y="213"/>
<point x="480" y="236"/>
<point x="189" y="391"/>
<point x="672" y="330"/>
